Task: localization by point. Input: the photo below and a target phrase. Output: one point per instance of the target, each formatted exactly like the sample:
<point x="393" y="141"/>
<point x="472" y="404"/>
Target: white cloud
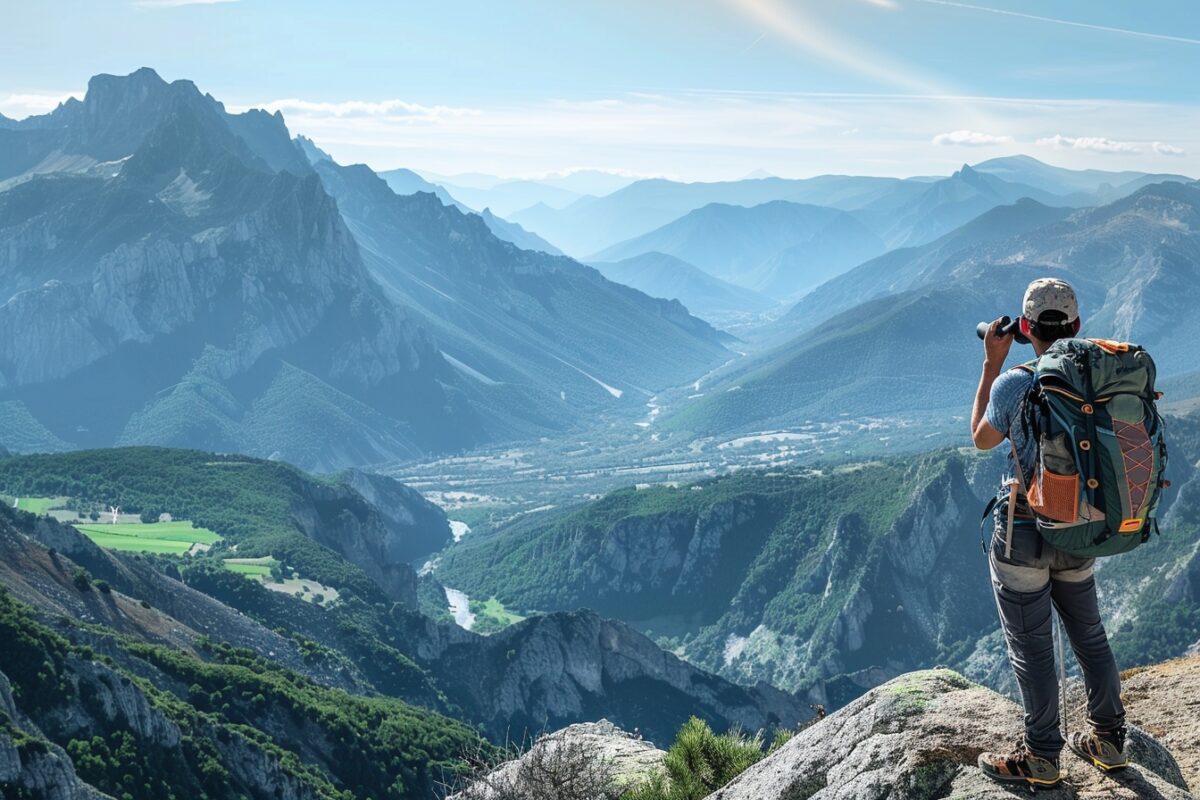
<point x="1096" y="144"/>
<point x="178" y="3"/>
<point x="1164" y="149"/>
<point x="364" y="108"/>
<point x="970" y="139"/>
<point x="716" y="135"/>
<point x="20" y="105"/>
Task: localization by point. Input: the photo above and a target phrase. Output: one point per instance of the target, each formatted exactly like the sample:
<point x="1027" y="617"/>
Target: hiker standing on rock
<point x="1067" y="468"/>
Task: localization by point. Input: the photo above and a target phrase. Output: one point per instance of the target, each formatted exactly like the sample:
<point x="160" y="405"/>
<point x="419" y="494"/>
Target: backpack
<point x="1101" y="452"/>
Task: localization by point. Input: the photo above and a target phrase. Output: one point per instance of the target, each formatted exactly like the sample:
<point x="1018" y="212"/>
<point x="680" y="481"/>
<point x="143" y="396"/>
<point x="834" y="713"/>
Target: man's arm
<point x="995" y="350"/>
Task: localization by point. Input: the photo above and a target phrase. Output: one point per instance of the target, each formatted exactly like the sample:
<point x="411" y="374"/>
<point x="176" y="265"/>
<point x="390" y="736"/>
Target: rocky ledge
<point x="918" y="737"/>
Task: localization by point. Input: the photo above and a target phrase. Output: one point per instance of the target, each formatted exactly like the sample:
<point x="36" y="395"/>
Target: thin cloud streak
<point x="179" y="3"/>
<point x="1097" y="144"/>
<point x="970" y="139"/>
<point x="713" y="136"/>
<point x="1068" y="22"/>
<point x="362" y="108"/>
<point x="789" y="22"/>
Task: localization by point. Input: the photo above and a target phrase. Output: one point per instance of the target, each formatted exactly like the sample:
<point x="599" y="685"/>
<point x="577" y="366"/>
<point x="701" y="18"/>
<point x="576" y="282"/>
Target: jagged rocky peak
<point x="918" y="736"/>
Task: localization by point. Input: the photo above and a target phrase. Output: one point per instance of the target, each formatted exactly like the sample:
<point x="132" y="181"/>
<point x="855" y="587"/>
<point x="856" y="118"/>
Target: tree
<point x="81" y="579"/>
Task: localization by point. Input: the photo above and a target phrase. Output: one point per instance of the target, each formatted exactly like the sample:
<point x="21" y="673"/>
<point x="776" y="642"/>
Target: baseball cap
<point x="1050" y="294"/>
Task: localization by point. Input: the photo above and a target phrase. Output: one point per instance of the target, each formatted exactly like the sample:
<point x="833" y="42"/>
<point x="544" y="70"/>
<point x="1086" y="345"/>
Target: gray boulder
<point x="918" y="737"/>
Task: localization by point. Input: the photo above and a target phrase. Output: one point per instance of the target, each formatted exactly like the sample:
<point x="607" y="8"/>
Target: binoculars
<point x="1008" y="327"/>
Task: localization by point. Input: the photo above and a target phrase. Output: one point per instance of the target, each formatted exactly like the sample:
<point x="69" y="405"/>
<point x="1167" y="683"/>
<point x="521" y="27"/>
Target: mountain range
<point x="405" y="181"/>
<point x="901" y="212"/>
<point x="825" y="582"/>
<point x="179" y="275"/>
<point x="161" y="656"/>
<point x="508" y="195"/>
<point x="539" y="340"/>
<point x="894" y="336"/>
<point x="778" y="249"/>
<point x="710" y="298"/>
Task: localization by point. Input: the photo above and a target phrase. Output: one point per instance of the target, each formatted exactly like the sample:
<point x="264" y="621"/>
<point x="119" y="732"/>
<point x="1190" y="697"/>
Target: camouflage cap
<point x="1050" y="294"/>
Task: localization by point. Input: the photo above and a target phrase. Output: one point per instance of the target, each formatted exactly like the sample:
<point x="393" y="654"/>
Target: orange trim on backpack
<point x="1111" y="346"/>
<point x="1131" y="526"/>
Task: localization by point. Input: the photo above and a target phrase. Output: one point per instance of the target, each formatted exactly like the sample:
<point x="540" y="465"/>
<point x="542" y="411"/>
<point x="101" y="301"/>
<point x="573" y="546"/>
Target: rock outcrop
<point x="1164" y="700"/>
<point x="626" y="757"/>
<point x="559" y="668"/>
<point x="415" y="526"/>
<point x="918" y="736"/>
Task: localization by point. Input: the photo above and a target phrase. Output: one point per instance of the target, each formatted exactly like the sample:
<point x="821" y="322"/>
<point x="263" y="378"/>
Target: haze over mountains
<point x="189" y="273"/>
<point x="901" y="212"/>
<point x="778" y="249"/>
<point x="892" y="336"/>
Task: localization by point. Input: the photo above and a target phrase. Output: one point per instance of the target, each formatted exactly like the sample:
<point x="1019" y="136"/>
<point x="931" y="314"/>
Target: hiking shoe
<point x="1020" y="766"/>
<point x="1104" y="749"/>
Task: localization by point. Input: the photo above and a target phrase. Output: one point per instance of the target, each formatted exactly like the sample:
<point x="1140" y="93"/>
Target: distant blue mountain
<point x="1061" y="181"/>
<point x="906" y="267"/>
<point x="591" y="224"/>
<point x="405" y="181"/>
<point x="542" y="341"/>
<point x="901" y="212"/>
<point x="1135" y="264"/>
<point x="512" y="232"/>
<point x="778" y="249"/>
<point x="662" y="275"/>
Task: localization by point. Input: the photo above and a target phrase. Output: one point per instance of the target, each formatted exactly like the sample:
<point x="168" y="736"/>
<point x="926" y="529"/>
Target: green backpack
<point x="1101" y="453"/>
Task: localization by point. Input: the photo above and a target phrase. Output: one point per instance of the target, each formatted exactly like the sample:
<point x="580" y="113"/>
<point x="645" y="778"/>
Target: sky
<point x="688" y="89"/>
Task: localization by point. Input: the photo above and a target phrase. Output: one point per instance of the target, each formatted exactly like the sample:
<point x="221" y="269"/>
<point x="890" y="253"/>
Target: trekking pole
<point x="1061" y="632"/>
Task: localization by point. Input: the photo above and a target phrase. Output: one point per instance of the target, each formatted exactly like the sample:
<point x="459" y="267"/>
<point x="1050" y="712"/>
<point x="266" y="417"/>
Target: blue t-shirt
<point x="1004" y="414"/>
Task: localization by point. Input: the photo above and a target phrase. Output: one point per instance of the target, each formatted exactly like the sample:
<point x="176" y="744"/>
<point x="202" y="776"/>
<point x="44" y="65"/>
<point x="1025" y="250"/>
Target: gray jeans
<point x="1032" y="578"/>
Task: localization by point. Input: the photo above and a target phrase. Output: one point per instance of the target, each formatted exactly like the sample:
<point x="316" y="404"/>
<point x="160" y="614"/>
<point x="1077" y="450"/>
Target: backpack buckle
<point x="1131" y="526"/>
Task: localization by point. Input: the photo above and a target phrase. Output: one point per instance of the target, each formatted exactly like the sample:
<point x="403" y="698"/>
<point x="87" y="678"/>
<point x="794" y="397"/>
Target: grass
<point x="492" y="616"/>
<point x="259" y="569"/>
<point x="251" y="567"/>
<point x="171" y="538"/>
<point x="36" y="505"/>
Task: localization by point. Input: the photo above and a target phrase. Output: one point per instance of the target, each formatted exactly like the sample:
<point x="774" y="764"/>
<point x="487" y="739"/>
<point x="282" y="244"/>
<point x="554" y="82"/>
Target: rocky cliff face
<point x="29" y="759"/>
<point x="826" y="584"/>
<point x="30" y="763"/>
<point x="560" y="668"/>
<point x="546" y="341"/>
<point x="415" y="527"/>
<point x="234" y="283"/>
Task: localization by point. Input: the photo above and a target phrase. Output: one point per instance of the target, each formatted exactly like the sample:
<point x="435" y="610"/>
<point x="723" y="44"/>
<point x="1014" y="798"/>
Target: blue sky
<point x="705" y="89"/>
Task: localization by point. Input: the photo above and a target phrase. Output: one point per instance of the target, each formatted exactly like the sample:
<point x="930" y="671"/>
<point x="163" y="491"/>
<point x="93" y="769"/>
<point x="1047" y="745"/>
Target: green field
<point x="174" y="538"/>
<point x="252" y="567"/>
<point x="492" y="616"/>
<point x="35" y="505"/>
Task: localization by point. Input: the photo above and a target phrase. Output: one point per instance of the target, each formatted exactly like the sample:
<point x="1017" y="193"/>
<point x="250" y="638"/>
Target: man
<point x="1029" y="574"/>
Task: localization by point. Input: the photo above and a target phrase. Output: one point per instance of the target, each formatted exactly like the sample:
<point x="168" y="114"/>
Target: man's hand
<point x="996" y="346"/>
<point x="995" y="351"/>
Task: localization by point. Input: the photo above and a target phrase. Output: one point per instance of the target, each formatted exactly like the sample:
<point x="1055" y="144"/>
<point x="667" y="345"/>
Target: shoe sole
<point x="1037" y="782"/>
<point x="1098" y="764"/>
